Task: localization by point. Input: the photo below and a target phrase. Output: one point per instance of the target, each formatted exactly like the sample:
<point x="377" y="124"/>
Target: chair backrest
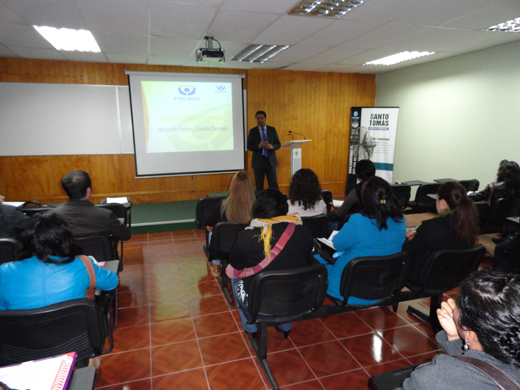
<point x="118" y="210"/>
<point x="373" y="277"/>
<point x="424" y="189"/>
<point x="470" y="185"/>
<point x="499" y="210"/>
<point x="29" y="210"/>
<point x="223" y="237"/>
<point x="287" y="294"/>
<point x="445" y="269"/>
<point x="318" y="225"/>
<point x="327" y="198"/>
<point x="76" y="325"/>
<point x="204" y="210"/>
<point x="402" y="193"/>
<point x="7" y="250"/>
<point x="98" y="246"/>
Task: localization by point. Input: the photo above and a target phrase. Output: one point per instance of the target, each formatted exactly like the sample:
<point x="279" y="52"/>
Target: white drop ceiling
<point x="169" y="32"/>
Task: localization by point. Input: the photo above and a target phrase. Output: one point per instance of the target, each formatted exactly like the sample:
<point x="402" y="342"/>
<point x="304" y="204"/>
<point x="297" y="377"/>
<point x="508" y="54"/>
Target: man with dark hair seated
<point x="83" y="218"/>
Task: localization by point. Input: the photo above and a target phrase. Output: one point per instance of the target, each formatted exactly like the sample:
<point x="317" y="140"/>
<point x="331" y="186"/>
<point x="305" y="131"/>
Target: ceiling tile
<point x="52" y="13"/>
<point x="289" y="30"/>
<point x="497" y="12"/>
<point x="126" y="58"/>
<point x="22" y="36"/>
<point x="164" y="60"/>
<point x="268" y="6"/>
<point x="179" y="20"/>
<point x="116" y="16"/>
<point x="6" y="52"/>
<point x="339" y="32"/>
<point x="378" y="11"/>
<point x="122" y="44"/>
<point x="7" y="16"/>
<point x="383" y="35"/>
<point x="316" y="67"/>
<point x="297" y="54"/>
<point x="369" y="55"/>
<point x="432" y="39"/>
<point x="42" y="54"/>
<point x="239" y="26"/>
<point x="203" y="3"/>
<point x="332" y="55"/>
<point x="172" y="47"/>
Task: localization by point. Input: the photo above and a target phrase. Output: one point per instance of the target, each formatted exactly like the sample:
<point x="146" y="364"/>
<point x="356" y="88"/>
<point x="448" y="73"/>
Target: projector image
<point x="210" y="56"/>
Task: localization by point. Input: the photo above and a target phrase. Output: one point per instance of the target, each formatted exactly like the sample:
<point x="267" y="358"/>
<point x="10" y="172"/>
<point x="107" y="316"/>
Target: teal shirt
<point x="31" y="283"/>
<point x="360" y="237"/>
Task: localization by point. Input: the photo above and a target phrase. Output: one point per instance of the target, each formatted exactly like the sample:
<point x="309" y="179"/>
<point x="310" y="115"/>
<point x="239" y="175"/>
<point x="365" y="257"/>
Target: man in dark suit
<point x="83" y="218"/>
<point x="263" y="142"/>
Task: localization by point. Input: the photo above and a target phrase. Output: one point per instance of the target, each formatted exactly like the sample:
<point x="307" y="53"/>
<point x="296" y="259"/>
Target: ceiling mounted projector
<point x="209" y="55"/>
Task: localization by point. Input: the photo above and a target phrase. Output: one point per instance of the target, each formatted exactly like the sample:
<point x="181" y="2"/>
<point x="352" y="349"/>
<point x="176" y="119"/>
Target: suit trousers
<point x="265" y="170"/>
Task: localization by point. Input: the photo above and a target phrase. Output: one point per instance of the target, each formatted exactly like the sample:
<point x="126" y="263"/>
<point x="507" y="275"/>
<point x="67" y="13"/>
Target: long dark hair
<point x="489" y="305"/>
<point x="380" y="203"/>
<point x="48" y="234"/>
<point x="269" y="204"/>
<point x="509" y="173"/>
<point x="464" y="212"/>
<point x="305" y="188"/>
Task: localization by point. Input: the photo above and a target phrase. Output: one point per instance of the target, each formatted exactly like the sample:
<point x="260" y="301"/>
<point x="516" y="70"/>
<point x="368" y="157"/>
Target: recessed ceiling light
<point x="329" y="8"/>
<point x="399" y="57"/>
<point x="509" y="26"/>
<point x="259" y="53"/>
<point x="68" y="39"/>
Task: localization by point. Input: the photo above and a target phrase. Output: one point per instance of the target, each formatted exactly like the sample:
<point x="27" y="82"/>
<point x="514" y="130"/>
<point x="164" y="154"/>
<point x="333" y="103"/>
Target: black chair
<point x="402" y="193"/>
<point x="499" y="210"/>
<point x="318" y="225"/>
<point x="223" y="237"/>
<point x="285" y="296"/>
<point x="373" y="278"/>
<point x="7" y="250"/>
<point x="75" y="325"/>
<point x="442" y="272"/>
<point x="204" y="210"/>
<point x="122" y="213"/>
<point x="327" y="198"/>
<point x="469" y="185"/>
<point x="423" y="203"/>
<point x="32" y="207"/>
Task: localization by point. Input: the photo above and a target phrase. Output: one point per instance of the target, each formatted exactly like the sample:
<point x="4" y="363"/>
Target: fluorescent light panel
<point x="259" y="53"/>
<point x="329" y="8"/>
<point x="68" y="39"/>
<point x="509" y="26"/>
<point x="399" y="57"/>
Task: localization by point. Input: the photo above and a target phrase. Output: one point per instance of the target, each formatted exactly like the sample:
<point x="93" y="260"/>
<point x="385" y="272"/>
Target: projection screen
<point x="186" y="123"/>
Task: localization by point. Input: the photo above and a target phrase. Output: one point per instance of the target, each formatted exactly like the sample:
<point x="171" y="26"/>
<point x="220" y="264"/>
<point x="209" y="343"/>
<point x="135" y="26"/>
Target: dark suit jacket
<point x="252" y="144"/>
<point x="85" y="219"/>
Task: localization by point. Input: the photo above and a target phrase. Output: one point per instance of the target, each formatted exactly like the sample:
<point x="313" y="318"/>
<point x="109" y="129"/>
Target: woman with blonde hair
<point x="237" y="207"/>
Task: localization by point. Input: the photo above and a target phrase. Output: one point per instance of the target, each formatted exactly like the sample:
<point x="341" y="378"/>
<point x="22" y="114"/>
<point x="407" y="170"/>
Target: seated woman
<point x="353" y="203"/>
<point x="482" y="324"/>
<point x="507" y="184"/>
<point x="253" y="251"/>
<point x="50" y="271"/>
<point x="235" y="208"/>
<point x="456" y="227"/>
<point x="305" y="194"/>
<point x="379" y="230"/>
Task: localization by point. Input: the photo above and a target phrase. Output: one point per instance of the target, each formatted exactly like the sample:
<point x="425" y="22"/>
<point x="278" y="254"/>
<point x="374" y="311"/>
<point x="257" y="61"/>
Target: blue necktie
<point x="264" y="138"/>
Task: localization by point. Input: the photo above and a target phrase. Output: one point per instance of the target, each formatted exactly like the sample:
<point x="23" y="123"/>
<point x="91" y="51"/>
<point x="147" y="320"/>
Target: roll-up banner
<point x="372" y="137"/>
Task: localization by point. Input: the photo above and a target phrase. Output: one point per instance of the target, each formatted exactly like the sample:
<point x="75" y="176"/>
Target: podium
<point x="296" y="153"/>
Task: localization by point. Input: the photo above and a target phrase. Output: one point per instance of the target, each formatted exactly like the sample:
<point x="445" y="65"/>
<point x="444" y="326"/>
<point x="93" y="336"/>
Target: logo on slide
<point x="187" y="90"/>
<point x="221" y="87"/>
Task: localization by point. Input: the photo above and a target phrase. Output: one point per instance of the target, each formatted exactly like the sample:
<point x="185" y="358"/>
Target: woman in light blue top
<point x="379" y="230"/>
<point x="50" y="271"/>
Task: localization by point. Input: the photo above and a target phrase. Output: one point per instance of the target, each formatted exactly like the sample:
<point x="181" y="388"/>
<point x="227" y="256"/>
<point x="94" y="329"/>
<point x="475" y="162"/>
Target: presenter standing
<point x="263" y="142"/>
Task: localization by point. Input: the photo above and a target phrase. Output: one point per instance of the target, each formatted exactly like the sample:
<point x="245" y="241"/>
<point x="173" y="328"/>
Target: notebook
<point x="45" y="374"/>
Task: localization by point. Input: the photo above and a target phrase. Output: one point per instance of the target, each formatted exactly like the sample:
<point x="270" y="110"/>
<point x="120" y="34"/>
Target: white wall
<point x="458" y="117"/>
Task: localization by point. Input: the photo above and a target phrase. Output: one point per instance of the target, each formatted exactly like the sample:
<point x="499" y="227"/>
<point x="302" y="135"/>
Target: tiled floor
<point x="176" y="332"/>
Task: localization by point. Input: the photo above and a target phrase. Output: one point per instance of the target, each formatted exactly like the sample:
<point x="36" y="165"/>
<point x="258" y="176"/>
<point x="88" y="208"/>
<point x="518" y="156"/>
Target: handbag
<point x="497" y="375"/>
<point x="91" y="290"/>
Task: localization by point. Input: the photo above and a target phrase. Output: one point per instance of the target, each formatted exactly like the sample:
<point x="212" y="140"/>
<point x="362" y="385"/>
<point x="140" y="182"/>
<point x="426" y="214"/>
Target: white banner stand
<point x="296" y="153"/>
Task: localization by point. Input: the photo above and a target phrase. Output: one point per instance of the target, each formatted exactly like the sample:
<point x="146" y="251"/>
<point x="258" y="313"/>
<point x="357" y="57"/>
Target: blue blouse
<point x="360" y="236"/>
<point x="31" y="283"/>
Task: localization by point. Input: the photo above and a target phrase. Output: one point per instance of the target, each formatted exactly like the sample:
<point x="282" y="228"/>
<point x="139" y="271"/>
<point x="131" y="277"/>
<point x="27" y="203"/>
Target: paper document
<point x="328" y="241"/>
<point x="337" y="203"/>
<point x="15" y="204"/>
<point x="121" y="200"/>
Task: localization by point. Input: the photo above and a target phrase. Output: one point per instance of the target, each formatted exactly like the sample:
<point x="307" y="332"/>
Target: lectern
<point x="296" y="153"/>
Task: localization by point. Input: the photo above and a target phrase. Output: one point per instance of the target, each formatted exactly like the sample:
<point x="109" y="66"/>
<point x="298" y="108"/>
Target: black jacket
<point x="254" y="139"/>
